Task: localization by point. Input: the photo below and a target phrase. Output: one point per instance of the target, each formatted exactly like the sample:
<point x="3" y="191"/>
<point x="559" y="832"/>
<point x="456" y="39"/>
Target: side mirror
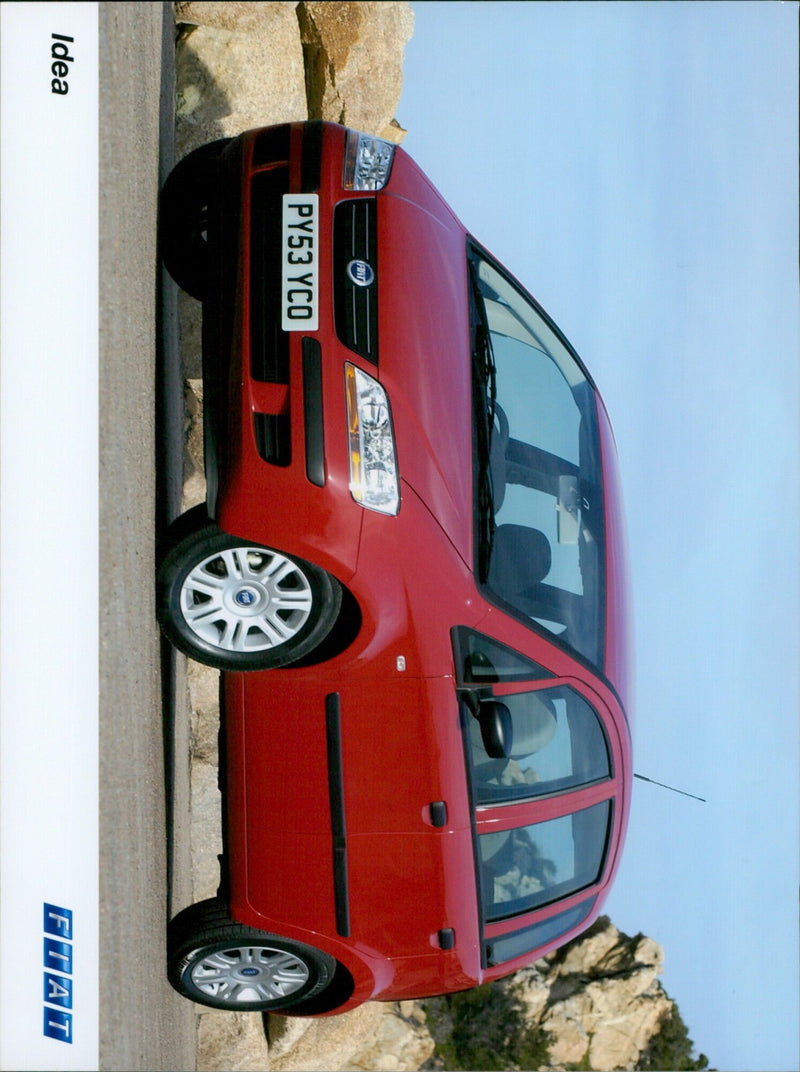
<point x="497" y="728"/>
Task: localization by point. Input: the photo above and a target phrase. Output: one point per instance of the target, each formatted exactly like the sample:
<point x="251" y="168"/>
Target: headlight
<point x="373" y="464"/>
<point x="367" y="162"/>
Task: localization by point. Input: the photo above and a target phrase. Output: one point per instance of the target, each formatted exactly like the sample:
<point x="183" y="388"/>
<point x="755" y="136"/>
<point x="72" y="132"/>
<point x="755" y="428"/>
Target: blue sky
<point x="635" y="165"/>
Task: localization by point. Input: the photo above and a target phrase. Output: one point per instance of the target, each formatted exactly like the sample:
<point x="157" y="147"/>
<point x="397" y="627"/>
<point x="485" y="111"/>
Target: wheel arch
<point x="195" y="540"/>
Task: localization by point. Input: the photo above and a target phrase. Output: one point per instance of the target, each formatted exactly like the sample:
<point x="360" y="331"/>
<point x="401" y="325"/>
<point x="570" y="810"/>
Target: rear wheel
<point x="237" y="605"/>
<point x="225" y="965"/>
<point x="185" y="210"/>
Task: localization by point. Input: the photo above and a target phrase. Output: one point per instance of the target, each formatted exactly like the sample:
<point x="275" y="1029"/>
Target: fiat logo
<point x="361" y="273"/>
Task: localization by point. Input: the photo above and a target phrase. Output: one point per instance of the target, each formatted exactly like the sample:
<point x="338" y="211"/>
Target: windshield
<point x="539" y="503"/>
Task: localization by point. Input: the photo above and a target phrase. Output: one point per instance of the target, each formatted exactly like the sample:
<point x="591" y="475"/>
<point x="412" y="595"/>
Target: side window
<point x="518" y="943"/>
<point x="527" y="867"/>
<point x="557" y="743"/>
<point x="483" y="661"/>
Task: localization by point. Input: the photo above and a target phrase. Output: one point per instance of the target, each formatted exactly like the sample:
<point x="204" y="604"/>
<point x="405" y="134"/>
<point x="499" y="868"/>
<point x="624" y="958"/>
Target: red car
<point x="411" y="570"/>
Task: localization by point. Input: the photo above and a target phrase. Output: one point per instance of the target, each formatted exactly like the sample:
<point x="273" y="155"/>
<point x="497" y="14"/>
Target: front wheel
<point x="236" y="605"/>
<point x="225" y="965"/>
<point x="185" y="216"/>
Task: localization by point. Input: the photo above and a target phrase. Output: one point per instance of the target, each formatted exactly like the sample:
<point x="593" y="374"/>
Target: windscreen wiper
<point x="484" y="375"/>
<point x="483" y="362"/>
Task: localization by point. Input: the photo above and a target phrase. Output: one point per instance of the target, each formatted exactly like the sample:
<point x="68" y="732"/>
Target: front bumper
<point x="275" y="423"/>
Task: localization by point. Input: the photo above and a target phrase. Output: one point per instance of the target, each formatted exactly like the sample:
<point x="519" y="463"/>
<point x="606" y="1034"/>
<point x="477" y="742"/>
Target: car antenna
<point x="671" y="788"/>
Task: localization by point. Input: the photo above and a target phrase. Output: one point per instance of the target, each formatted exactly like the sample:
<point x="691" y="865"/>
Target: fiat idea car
<point x="411" y="572"/>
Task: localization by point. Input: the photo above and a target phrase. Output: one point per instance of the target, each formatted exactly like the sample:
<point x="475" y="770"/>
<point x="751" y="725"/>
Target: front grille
<point x="269" y="345"/>
<point x="311" y="168"/>
<point x="355" y="271"/>
<point x="272" y="145"/>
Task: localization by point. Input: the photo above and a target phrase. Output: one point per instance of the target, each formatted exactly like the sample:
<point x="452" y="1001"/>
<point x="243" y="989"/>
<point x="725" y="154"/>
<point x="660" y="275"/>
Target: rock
<point x="612" y="1021"/>
<point x="231" y="1040"/>
<point x="402" y="1042"/>
<point x="648" y="951"/>
<point x="376" y="1037"/>
<point x="203" y="684"/>
<point x="206" y="804"/>
<point x="595" y="949"/>
<point x="206" y="831"/>
<point x="532" y="986"/>
<point x="354" y="62"/>
<point x="194" y="478"/>
<point x="328" y="1044"/>
<point x="232" y="76"/>
<point x="242" y="65"/>
<point x="284" y="1032"/>
<point x="618" y="1041"/>
<point x="600" y="998"/>
<point x="244" y="17"/>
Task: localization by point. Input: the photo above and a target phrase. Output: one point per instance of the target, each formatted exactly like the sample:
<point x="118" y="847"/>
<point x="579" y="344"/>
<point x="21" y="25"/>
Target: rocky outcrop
<point x="600" y="998"/>
<point x="242" y="65"/>
<point x="354" y="62"/>
<point x="377" y="1037"/>
<point x="385" y="1037"/>
<point x="238" y="65"/>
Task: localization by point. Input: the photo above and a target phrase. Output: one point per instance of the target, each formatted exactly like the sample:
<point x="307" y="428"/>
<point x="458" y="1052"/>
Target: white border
<point x="49" y="522"/>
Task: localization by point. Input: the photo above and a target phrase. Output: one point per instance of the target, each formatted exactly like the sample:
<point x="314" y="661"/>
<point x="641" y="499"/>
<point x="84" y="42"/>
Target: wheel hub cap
<point x="246" y="599"/>
<point x="248" y="974"/>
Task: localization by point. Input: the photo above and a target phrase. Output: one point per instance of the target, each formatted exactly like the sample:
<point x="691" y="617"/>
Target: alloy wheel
<point x="246" y="599"/>
<point x="249" y="973"/>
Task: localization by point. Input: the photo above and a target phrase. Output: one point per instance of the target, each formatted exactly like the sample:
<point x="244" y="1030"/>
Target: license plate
<point x="300" y="293"/>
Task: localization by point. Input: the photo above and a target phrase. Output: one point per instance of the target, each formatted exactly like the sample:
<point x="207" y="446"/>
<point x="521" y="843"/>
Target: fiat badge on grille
<point x="361" y="273"/>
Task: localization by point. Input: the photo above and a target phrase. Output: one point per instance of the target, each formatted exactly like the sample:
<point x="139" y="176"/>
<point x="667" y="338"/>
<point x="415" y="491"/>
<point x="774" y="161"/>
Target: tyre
<point x="185" y="208"/>
<point x="224" y="965"/>
<point x="236" y="605"/>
